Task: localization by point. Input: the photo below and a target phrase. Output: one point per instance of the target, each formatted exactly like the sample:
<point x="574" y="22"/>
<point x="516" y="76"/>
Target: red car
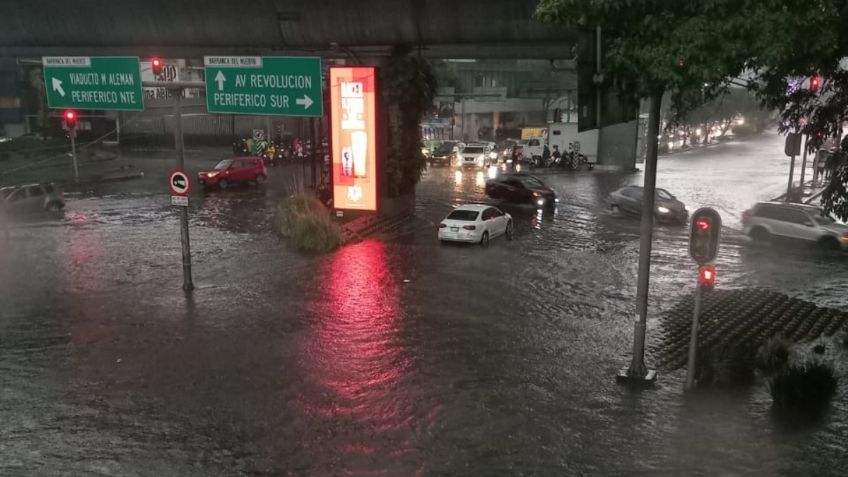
<point x="232" y="171"/>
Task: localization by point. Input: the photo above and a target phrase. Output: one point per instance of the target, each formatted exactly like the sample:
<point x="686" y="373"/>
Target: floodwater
<point x="386" y="358"/>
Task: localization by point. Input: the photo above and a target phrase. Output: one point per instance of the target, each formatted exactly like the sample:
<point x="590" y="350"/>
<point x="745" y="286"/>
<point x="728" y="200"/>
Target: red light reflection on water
<point x="355" y="361"/>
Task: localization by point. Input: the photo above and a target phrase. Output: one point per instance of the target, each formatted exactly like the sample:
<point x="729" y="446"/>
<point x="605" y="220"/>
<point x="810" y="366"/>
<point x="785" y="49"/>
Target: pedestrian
<point x="546" y="156"/>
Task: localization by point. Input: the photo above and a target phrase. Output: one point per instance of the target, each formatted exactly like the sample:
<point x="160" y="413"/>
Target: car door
<point x="784" y="221"/>
<point x="801" y="227"/>
<point x="632" y="200"/>
<point x="500" y="218"/>
<point x="489" y="223"/>
<point x="34" y="198"/>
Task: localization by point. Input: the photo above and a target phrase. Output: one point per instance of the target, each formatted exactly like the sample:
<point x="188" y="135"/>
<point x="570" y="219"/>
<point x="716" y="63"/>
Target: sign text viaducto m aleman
<point x="267" y="85"/>
<point x="93" y="82"/>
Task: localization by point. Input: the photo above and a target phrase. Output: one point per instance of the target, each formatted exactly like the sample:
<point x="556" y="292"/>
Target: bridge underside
<point x="329" y="28"/>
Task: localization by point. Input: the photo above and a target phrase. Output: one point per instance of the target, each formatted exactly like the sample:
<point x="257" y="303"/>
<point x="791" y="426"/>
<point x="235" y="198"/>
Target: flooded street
<point x="387" y="358"/>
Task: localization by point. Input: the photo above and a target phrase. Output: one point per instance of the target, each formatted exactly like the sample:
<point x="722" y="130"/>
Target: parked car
<point x="475" y="224"/>
<point x="521" y="189"/>
<point x="666" y="207"/>
<point x="796" y="222"/>
<point x="31" y="198"/>
<point x="532" y="150"/>
<point x="232" y="171"/>
<point x="445" y="153"/>
<point x="472" y="154"/>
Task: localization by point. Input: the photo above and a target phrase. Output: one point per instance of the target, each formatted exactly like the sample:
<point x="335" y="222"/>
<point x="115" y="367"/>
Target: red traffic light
<point x="707" y="276"/>
<point x="70" y="118"/>
<point x="702" y="224"/>
<point x="156" y="65"/>
<point x="815" y="82"/>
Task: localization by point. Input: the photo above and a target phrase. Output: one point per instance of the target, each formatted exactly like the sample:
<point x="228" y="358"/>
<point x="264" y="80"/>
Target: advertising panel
<point x="354" y="139"/>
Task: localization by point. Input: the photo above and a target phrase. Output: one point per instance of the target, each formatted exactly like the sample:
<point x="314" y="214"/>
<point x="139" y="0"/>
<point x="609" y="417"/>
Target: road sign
<point x="93" y="82"/>
<point x="179" y="182"/>
<point x="268" y="85"/>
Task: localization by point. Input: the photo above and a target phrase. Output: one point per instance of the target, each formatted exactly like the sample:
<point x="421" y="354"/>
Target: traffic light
<point x="703" y="235"/>
<point x="815" y="82"/>
<point x="707" y="276"/>
<point x="156" y="65"/>
<point x="70" y="118"/>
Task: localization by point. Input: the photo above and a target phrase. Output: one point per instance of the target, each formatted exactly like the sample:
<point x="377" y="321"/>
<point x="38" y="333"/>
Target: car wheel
<point x="509" y="230"/>
<point x="759" y="234"/>
<point x="223" y="184"/>
<point x="260" y="179"/>
<point x="484" y="242"/>
<point x="616" y="210"/>
<point x="829" y="244"/>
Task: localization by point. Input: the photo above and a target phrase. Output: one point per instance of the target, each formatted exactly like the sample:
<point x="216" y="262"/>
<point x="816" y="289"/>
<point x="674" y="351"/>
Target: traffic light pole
<point x="73" y="133"/>
<point x="179" y="87"/>
<point x="693" y="340"/>
<point x="188" y="284"/>
<point x="638" y="372"/>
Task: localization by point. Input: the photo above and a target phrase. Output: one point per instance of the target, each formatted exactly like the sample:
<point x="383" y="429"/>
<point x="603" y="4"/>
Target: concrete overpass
<point x="330" y="28"/>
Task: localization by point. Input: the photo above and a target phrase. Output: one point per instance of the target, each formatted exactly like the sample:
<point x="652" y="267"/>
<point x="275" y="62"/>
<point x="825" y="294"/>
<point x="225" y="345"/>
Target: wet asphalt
<point x="389" y="357"/>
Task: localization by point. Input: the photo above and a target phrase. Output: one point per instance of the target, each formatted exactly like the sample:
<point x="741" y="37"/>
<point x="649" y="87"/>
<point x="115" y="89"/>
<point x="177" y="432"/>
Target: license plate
<point x="454" y="229"/>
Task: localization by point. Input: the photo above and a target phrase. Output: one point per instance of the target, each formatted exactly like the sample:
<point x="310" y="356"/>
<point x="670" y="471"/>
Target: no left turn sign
<point x="179" y="182"/>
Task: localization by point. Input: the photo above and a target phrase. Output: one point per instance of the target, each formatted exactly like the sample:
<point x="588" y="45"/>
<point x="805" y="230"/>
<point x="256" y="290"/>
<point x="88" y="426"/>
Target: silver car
<point x="797" y="222"/>
<point x="31" y="198"/>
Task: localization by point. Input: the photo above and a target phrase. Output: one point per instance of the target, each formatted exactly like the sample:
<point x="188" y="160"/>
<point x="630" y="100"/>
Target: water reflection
<point x="356" y="360"/>
<point x="480" y="179"/>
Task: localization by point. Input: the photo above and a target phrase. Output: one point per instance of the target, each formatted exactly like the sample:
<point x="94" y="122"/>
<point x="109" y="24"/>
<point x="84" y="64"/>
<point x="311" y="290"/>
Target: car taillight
<point x="441" y="226"/>
<point x="469" y="227"/>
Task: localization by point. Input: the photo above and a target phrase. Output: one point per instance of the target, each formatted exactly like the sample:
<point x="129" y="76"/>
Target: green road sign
<point x="95" y="82"/>
<point x="269" y="85"/>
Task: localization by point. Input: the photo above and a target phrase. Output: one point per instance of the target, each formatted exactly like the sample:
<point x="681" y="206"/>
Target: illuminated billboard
<point x="354" y="138"/>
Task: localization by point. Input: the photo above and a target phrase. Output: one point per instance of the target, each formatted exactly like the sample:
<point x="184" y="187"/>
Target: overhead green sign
<point x="93" y="82"/>
<point x="267" y="85"/>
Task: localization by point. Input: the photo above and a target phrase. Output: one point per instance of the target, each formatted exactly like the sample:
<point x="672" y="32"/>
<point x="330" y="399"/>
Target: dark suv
<point x="31" y="198"/>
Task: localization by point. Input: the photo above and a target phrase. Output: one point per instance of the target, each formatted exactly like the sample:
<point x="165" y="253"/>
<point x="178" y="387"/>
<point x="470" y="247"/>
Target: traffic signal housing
<point x="70" y="118"/>
<point x="704" y="234"/>
<point x="156" y="65"/>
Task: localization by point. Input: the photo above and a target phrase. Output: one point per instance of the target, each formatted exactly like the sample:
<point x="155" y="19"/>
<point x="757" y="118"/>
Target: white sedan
<point x="475" y="224"/>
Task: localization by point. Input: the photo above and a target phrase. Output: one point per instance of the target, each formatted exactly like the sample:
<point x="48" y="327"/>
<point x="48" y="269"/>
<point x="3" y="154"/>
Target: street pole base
<point x="624" y="377"/>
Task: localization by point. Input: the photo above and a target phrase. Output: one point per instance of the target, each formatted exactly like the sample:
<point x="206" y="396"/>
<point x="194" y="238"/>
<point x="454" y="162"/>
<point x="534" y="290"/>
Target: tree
<point x="693" y="50"/>
<point x="408" y="86"/>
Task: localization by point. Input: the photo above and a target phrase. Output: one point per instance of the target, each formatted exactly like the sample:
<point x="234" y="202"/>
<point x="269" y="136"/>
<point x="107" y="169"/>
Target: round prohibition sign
<point x="179" y="182"/>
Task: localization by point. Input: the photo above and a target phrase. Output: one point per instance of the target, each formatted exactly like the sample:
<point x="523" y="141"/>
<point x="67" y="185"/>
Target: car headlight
<point x="537" y="194"/>
<point x="493" y="155"/>
<point x="663" y="210"/>
<point x="845" y="237"/>
<point x="211" y="174"/>
<point x="425" y="151"/>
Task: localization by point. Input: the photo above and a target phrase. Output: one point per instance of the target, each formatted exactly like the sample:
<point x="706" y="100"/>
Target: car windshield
<point x="445" y="148"/>
<point x="473" y="150"/>
<point x="225" y="164"/>
<point x="531" y="182"/>
<point x="821" y="218"/>
<point x="466" y="215"/>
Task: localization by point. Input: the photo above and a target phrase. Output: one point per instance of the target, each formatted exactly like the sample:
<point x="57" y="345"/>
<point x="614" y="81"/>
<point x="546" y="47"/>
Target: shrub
<point x="803" y="387"/>
<point x="304" y="220"/>
<point x="773" y="355"/>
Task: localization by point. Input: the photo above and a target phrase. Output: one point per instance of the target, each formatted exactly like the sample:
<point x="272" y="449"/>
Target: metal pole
<point x="462" y="117"/>
<point x="637" y="365"/>
<point x="804" y="162"/>
<point x="791" y="173"/>
<point x="693" y="341"/>
<point x="598" y="91"/>
<point x="314" y="152"/>
<point x="73" y="134"/>
<point x="188" y="285"/>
